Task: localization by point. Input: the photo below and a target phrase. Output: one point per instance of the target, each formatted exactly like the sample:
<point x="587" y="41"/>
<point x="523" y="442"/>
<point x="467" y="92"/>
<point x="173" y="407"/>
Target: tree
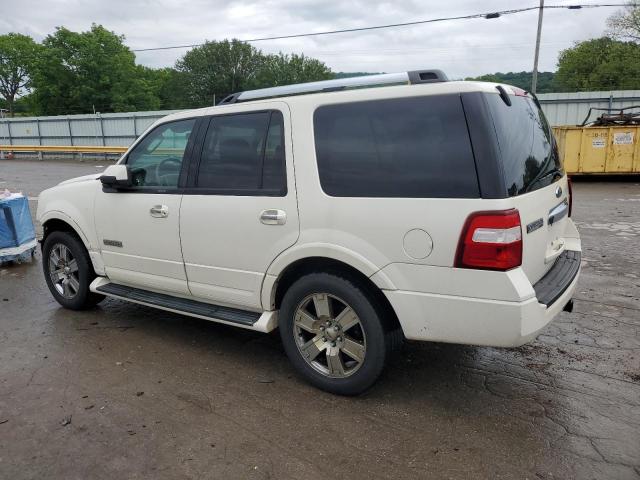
<point x="78" y="72"/>
<point x="599" y="64"/>
<point x="217" y="69"/>
<point x="625" y="24"/>
<point x="18" y="55"/>
<point x="284" y="69"/>
<point x="168" y="85"/>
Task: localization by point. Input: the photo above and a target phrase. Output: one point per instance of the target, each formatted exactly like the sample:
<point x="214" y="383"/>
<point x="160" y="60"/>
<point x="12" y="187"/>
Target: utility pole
<point x="534" y="77"/>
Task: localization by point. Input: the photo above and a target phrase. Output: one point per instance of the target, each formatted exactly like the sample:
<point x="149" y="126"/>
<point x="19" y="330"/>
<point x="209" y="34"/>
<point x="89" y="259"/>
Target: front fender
<point x="73" y="204"/>
<point x="58" y="215"/>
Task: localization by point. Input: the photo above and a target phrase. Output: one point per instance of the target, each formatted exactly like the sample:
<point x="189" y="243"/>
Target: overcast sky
<point x="460" y="48"/>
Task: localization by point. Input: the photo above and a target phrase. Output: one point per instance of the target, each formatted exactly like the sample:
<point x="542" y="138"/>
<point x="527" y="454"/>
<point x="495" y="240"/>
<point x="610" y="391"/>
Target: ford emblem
<point x="558" y="192"/>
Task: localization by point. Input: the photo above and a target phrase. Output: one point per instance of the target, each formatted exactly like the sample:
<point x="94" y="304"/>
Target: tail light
<point x="570" y="194"/>
<point x="491" y="241"/>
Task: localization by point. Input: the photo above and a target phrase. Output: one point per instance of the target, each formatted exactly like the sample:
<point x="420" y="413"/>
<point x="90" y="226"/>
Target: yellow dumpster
<point x="614" y="149"/>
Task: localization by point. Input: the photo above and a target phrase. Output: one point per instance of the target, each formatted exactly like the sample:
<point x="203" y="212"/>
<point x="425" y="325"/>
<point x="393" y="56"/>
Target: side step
<point x="264" y="322"/>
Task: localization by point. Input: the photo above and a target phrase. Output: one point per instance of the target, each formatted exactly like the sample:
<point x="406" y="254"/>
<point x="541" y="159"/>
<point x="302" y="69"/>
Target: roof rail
<point x="413" y="77"/>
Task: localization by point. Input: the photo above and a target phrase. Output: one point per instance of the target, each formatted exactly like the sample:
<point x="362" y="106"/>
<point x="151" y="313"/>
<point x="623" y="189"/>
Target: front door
<point x="138" y="228"/>
<point x="240" y="210"/>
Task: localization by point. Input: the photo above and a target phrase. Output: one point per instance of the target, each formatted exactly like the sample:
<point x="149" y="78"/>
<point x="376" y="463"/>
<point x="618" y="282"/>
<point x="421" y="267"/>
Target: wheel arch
<point x="311" y="264"/>
<point x="60" y="222"/>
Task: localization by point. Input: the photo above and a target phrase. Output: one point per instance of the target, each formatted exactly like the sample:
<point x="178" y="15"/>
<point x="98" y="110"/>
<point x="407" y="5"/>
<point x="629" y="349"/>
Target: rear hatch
<point x="534" y="178"/>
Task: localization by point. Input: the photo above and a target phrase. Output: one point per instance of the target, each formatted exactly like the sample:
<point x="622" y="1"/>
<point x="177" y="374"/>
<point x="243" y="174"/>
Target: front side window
<point x="415" y="147"/>
<point x="244" y="153"/>
<point x="157" y="160"/>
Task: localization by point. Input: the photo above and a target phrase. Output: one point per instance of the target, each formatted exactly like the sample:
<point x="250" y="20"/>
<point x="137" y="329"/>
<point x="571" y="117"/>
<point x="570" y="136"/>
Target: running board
<point x="262" y="322"/>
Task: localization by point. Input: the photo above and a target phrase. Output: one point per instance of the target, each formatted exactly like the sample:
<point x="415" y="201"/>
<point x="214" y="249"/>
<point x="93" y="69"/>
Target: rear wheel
<point x="68" y="271"/>
<point x="333" y="333"/>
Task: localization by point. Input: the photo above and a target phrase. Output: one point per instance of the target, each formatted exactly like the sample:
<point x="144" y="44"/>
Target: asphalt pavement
<point x="125" y="391"/>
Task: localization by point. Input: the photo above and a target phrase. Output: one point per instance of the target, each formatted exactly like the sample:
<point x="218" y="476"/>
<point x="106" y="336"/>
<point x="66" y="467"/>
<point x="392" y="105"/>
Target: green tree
<point x="599" y="64"/>
<point x="80" y="71"/>
<point x="168" y="85"/>
<point x="217" y="69"/>
<point x="282" y="69"/>
<point x="18" y="55"/>
<point x="625" y="24"/>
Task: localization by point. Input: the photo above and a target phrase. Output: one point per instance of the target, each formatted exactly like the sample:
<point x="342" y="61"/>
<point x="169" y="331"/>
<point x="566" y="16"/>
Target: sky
<point x="460" y="48"/>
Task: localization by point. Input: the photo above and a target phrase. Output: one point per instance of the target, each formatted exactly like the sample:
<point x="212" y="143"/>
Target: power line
<point x="487" y="15"/>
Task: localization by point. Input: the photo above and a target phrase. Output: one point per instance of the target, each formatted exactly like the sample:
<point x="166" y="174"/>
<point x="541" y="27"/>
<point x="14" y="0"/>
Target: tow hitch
<point x="568" y="307"/>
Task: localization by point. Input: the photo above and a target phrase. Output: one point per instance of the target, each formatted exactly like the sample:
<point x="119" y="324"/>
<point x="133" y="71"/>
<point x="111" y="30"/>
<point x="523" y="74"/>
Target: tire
<point x="69" y="282"/>
<point x="314" y="319"/>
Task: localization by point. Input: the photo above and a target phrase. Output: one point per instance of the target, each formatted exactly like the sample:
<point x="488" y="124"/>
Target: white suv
<point x="350" y="218"/>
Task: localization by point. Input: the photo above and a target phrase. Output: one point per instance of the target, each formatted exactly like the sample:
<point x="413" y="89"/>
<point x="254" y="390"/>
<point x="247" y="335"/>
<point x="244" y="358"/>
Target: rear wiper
<point x="556" y="172"/>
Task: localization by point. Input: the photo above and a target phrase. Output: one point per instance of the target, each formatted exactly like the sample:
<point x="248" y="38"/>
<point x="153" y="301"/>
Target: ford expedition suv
<point x="350" y="214"/>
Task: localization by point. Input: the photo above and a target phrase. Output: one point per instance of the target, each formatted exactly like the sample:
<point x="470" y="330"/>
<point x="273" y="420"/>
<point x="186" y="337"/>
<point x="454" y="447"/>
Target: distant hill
<point x="520" y="79"/>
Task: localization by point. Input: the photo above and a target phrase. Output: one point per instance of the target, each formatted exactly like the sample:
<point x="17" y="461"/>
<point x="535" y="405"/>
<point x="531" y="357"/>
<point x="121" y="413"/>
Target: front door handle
<point x="159" y="211"/>
<point x="273" y="217"/>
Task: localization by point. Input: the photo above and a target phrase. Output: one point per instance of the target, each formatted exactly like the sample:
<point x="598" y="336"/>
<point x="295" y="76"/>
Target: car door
<point x="138" y="227"/>
<point x="239" y="210"/>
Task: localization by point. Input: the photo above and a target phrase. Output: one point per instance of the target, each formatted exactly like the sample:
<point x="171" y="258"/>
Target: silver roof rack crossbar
<point x="413" y="77"/>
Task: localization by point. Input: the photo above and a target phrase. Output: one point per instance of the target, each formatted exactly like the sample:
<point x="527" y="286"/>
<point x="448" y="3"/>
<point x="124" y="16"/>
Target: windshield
<point x="528" y="150"/>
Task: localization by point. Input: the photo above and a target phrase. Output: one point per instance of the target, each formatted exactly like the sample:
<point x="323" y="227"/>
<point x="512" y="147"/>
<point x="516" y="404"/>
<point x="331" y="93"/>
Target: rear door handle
<point x="273" y="217"/>
<point x="159" y="211"/>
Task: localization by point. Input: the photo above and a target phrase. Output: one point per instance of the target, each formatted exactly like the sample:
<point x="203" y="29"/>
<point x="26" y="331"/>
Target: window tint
<point x="408" y="147"/>
<point x="528" y="150"/>
<point x="244" y="152"/>
<point x="156" y="161"/>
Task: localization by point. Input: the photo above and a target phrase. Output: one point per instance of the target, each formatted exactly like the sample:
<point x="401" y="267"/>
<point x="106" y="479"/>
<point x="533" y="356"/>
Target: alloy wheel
<point x="329" y="335"/>
<point x="63" y="271"/>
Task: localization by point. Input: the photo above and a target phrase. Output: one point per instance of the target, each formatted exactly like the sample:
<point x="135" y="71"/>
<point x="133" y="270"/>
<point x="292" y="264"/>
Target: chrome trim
<point x="159" y="211"/>
<point x="559" y="211"/>
<point x="535" y="225"/>
<point x="273" y="217"/>
<point x="369" y="80"/>
<point x="558" y="191"/>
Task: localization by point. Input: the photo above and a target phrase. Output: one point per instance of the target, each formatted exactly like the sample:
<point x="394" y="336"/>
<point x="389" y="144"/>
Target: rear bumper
<point x="481" y="321"/>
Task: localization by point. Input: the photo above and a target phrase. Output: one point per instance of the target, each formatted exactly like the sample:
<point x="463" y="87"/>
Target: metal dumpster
<point x="599" y="149"/>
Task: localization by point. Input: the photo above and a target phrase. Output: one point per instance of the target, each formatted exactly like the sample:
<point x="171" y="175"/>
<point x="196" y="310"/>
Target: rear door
<point x="240" y="210"/>
<point x="534" y="179"/>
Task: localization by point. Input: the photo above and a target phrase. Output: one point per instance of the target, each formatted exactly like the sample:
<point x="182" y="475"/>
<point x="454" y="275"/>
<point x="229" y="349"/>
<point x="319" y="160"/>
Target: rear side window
<point x="244" y="153"/>
<point x="415" y="147"/>
<point x="528" y="151"/>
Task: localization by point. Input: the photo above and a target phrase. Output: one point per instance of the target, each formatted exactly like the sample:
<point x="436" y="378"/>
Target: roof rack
<point x="413" y="77"/>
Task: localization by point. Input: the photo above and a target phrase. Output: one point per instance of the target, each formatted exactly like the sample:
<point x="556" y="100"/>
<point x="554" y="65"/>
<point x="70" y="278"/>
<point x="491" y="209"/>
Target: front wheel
<point x="68" y="271"/>
<point x="333" y="333"/>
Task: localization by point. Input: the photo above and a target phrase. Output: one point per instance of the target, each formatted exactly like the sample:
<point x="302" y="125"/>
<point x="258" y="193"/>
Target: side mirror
<point x="116" y="177"/>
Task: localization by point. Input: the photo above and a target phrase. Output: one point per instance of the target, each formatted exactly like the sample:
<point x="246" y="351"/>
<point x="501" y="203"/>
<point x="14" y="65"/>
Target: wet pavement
<point x="125" y="391"/>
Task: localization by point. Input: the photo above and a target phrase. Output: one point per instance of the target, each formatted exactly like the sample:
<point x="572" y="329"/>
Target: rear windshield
<point x="528" y="150"/>
<point x="407" y="147"/>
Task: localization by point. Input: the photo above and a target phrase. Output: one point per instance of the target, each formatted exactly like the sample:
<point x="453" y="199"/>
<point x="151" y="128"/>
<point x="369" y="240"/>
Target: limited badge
<point x="112" y="243"/>
<point x="535" y="225"/>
